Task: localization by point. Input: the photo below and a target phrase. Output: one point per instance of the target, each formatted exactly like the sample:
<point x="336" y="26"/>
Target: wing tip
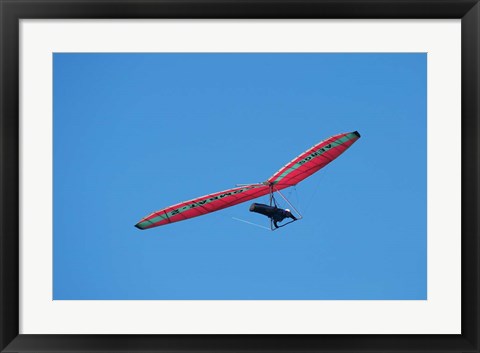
<point x="357" y="133"/>
<point x="139" y="226"/>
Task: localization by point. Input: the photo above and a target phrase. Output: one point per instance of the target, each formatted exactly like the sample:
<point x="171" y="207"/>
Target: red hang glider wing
<point x="203" y="205"/>
<point x="295" y="171"/>
<point x="313" y="160"/>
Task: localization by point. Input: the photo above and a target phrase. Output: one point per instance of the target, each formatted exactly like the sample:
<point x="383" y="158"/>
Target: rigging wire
<point x="251" y="223"/>
<point x="316" y="186"/>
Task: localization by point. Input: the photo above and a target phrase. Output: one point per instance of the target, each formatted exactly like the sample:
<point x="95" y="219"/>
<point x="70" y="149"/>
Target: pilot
<point x="274" y="213"/>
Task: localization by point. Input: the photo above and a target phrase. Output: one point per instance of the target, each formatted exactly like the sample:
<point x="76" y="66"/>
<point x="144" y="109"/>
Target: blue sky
<point x="134" y="133"/>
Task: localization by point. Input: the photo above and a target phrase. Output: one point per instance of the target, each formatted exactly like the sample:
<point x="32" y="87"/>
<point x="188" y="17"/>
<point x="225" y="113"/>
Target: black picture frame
<point x="12" y="11"/>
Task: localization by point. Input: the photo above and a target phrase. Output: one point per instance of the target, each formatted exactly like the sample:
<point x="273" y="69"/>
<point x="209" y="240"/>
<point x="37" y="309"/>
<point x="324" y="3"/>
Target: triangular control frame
<point x="273" y="202"/>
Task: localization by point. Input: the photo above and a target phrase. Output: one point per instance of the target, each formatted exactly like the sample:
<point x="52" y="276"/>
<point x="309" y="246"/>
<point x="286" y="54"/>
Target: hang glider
<point x="301" y="167"/>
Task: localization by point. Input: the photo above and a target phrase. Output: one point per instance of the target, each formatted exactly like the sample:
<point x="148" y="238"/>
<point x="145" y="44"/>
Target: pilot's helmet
<point x="287" y="210"/>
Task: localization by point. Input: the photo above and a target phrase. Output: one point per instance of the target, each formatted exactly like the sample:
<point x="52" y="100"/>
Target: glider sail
<point x="292" y="173"/>
<point x="203" y="205"/>
<point x="312" y="160"/>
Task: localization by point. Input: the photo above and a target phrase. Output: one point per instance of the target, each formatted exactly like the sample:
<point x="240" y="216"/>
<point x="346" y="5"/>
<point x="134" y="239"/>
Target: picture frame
<point x="12" y="11"/>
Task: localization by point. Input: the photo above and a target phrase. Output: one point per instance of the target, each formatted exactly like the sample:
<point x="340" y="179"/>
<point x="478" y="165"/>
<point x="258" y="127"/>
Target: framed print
<point x="115" y="113"/>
